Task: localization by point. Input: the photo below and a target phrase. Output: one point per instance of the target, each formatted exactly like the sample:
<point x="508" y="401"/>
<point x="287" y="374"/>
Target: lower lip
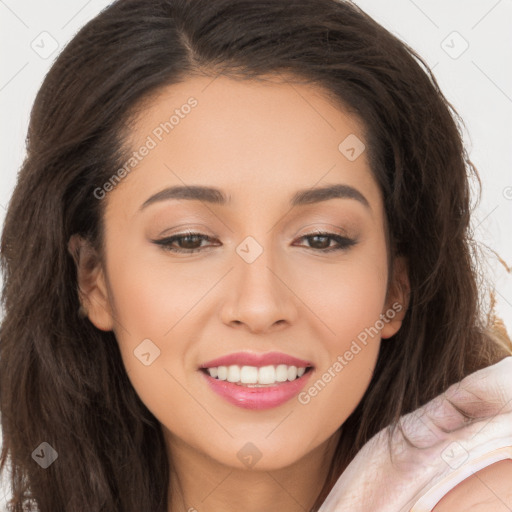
<point x="257" y="398"/>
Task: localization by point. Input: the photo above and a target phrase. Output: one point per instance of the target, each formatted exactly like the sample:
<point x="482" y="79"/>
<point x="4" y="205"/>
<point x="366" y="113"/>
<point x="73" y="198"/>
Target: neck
<point x="201" y="484"/>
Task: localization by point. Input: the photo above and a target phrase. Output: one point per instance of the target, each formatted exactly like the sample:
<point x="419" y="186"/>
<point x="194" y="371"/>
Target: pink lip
<point x="252" y="359"/>
<point x="257" y="398"/>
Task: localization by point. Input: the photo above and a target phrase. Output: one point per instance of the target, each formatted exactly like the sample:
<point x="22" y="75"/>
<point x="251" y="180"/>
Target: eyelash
<point x="344" y="243"/>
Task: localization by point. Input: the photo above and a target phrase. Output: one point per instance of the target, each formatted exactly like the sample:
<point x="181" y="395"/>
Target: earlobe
<point x="92" y="288"/>
<point x="397" y="300"/>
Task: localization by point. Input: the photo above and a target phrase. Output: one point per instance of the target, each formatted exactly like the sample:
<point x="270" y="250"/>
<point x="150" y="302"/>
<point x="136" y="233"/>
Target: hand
<point x="373" y="483"/>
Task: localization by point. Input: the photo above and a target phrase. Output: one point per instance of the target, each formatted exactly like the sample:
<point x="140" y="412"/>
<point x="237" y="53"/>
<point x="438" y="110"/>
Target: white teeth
<point x="292" y="372"/>
<point x="263" y="375"/>
<point x="233" y="373"/>
<point x="267" y="375"/>
<point x="249" y="375"/>
<point x="281" y="373"/>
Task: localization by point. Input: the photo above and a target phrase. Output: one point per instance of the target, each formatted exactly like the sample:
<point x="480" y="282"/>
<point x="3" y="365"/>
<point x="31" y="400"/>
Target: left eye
<point x="342" y="241"/>
<point x="188" y="242"/>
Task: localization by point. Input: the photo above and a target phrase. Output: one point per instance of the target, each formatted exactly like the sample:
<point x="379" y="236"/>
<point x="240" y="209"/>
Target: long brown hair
<point x="62" y="381"/>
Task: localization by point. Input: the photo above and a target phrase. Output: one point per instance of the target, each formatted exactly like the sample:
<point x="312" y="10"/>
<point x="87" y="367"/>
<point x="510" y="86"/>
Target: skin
<point x="488" y="490"/>
<point x="259" y="143"/>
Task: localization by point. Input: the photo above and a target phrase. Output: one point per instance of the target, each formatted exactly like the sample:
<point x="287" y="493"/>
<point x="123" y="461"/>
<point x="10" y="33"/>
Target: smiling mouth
<point x="254" y="376"/>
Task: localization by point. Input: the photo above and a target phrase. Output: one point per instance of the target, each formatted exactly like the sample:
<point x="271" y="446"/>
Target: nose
<point x="258" y="297"/>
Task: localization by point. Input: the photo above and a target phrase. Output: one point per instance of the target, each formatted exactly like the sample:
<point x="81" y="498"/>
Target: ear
<point x="397" y="299"/>
<point x="92" y="288"/>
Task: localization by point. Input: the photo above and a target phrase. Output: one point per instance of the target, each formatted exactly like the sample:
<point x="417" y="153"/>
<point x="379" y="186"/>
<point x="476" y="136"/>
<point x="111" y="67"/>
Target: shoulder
<point x="487" y="490"/>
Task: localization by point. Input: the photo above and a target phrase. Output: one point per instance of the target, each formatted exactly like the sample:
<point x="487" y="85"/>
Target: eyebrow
<point x="217" y="196"/>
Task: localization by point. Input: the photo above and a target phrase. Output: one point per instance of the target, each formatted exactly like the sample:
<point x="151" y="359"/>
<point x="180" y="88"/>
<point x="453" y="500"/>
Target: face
<point x="287" y="283"/>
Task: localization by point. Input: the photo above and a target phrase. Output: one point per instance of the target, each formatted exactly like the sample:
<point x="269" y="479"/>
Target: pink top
<point x="450" y="448"/>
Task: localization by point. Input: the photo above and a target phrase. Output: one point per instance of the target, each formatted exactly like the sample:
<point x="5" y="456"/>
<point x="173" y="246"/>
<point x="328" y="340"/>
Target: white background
<point x="478" y="83"/>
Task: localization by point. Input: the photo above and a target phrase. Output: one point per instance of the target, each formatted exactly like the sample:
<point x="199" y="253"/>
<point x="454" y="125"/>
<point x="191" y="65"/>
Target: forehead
<point x="258" y="107"/>
<point x="248" y="137"/>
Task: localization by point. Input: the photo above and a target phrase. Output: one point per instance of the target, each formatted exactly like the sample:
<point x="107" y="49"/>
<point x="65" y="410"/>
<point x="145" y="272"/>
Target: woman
<point x="237" y="251"/>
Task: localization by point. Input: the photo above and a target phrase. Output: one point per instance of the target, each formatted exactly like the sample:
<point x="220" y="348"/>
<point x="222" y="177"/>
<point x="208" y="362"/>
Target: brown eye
<point x="322" y="241"/>
<point x="187" y="242"/>
<point x="191" y="242"/>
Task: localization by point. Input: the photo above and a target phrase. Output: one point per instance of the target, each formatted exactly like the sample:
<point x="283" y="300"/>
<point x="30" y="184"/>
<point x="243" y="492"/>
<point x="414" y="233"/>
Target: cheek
<point x="347" y="296"/>
<point x="356" y="310"/>
<point x="348" y="301"/>
<point x="151" y="302"/>
<point x="151" y="293"/>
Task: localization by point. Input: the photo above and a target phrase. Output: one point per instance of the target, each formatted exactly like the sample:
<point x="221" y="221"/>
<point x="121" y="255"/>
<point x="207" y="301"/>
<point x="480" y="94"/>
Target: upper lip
<point x="254" y="359"/>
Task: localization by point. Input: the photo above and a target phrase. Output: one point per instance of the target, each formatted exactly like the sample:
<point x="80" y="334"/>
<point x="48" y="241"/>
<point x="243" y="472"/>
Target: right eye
<point x="188" y="242"/>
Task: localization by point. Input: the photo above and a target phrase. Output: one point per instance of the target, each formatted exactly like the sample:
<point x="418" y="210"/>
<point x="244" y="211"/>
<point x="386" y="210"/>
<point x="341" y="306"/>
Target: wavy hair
<point x="63" y="381"/>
